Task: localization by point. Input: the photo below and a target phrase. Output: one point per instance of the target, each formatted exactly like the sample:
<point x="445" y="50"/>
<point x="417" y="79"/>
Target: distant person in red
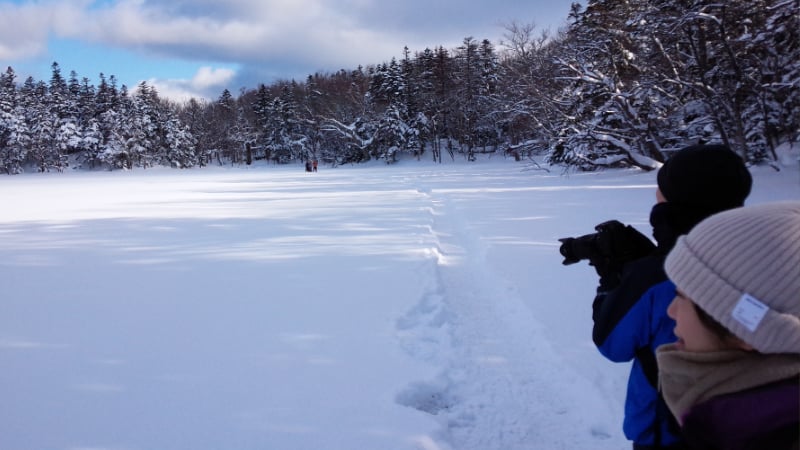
<point x="315" y="165"/>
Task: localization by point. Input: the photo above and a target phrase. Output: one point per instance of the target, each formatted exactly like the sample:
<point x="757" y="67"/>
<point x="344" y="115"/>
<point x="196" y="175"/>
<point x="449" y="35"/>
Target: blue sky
<point x="200" y="47"/>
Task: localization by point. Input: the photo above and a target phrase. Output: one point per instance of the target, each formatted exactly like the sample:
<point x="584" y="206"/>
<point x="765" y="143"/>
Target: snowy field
<point x="417" y="306"/>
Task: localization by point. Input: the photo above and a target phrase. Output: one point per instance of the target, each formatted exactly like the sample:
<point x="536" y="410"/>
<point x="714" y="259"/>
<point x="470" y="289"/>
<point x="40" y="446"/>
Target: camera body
<point x="612" y="242"/>
<point x="576" y="249"/>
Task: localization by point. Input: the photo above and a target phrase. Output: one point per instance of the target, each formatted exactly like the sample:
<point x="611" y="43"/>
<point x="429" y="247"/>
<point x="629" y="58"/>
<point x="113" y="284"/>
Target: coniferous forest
<point x="622" y="84"/>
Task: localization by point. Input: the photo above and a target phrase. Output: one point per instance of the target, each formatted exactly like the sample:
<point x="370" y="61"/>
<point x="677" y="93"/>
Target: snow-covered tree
<point x="180" y="145"/>
<point x="14" y="134"/>
<point x="91" y="143"/>
<point x="113" y="151"/>
<point x="618" y="109"/>
<point x="528" y="102"/>
<point x="627" y="83"/>
<point x="774" y="110"/>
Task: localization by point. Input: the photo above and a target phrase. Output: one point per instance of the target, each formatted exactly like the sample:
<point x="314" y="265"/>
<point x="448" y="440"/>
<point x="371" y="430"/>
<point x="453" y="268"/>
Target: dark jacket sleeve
<point x="611" y="305"/>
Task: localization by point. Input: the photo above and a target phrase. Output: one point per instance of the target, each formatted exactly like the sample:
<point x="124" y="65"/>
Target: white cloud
<point x="293" y="35"/>
<point x="304" y="31"/>
<point x="209" y="77"/>
<point x="207" y="83"/>
<point x="307" y="35"/>
<point x="23" y="31"/>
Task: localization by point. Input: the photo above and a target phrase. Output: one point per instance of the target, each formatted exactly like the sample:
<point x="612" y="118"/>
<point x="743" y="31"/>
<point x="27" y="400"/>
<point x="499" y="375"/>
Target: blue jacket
<point x="630" y="322"/>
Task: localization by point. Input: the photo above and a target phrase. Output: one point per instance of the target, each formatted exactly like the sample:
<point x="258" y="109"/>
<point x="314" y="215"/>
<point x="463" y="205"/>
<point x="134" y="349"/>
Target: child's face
<point x="693" y="335"/>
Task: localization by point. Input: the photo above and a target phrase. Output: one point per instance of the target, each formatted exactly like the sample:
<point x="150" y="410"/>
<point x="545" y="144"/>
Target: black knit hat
<point x="711" y="178"/>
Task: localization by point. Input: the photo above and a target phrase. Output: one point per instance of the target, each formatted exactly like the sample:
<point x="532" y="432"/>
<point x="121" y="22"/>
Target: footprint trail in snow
<point x="496" y="387"/>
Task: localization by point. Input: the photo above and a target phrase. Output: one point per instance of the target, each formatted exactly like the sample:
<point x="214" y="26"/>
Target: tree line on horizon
<point x="623" y="84"/>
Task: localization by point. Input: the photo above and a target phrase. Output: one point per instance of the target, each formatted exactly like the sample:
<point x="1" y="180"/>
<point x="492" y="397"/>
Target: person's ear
<point x="660" y="196"/>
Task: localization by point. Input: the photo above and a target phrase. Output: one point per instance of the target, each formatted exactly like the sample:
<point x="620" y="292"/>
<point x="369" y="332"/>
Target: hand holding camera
<point x="608" y="249"/>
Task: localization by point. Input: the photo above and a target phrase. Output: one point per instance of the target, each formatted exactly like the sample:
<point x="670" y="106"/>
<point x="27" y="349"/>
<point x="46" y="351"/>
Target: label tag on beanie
<point x="749" y="311"/>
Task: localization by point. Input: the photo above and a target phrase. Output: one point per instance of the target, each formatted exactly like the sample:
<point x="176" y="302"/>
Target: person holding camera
<point x="630" y="307"/>
<point x="733" y="377"/>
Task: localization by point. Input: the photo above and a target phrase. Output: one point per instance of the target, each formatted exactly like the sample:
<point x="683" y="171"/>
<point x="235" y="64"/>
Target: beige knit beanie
<point x="742" y="267"/>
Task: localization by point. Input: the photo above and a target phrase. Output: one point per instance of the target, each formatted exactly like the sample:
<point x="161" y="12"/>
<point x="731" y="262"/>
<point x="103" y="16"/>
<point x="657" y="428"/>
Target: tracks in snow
<point x="501" y="385"/>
